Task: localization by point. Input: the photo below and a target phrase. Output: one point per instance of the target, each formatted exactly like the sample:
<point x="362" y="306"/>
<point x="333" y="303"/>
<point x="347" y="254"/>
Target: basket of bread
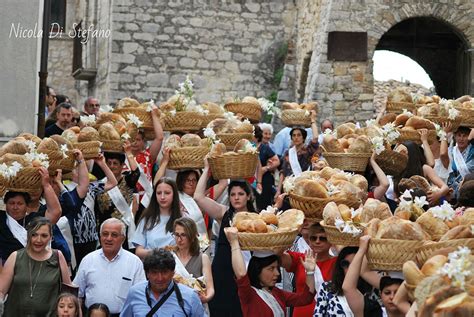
<point x="186" y="152"/>
<point x="399" y="100"/>
<point x="441" y="111"/>
<point x="294" y="114"/>
<point x="60" y="153"/>
<point x="446" y="228"/>
<point x="214" y="111"/>
<point x="349" y="151"/>
<point x="444" y="286"/>
<point x="465" y="106"/>
<point x="312" y="190"/>
<point x="127" y="107"/>
<point x="249" y="108"/>
<point x="230" y="130"/>
<point x="239" y="163"/>
<point x="344" y="226"/>
<point x="86" y="140"/>
<point x="267" y="230"/>
<point x="408" y="126"/>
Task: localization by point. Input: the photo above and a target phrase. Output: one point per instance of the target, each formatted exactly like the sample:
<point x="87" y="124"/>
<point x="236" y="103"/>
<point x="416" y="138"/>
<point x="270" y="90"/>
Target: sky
<point x="390" y="65"/>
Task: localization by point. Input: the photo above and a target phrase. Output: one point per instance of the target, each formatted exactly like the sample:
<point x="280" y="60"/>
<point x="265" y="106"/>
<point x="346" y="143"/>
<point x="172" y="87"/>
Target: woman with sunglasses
<point x="330" y="299"/>
<point x="191" y="259"/>
<point x="291" y="262"/>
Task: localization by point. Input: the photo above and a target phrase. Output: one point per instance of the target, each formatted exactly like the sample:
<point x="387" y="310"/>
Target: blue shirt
<point x="136" y="302"/>
<point x="282" y="140"/>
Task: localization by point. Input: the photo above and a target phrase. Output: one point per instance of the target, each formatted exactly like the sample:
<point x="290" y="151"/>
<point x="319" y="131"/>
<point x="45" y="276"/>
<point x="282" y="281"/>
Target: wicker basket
<point x="90" y="149"/>
<point x="313" y="207"/>
<point x="66" y="164"/>
<point x="231" y="139"/>
<point x="115" y="146"/>
<point x="233" y="165"/>
<point x="293" y="117"/>
<point x="414" y="136"/>
<point x="467" y="117"/>
<point x="251" y="111"/>
<point x="143" y="115"/>
<point x="53" y="155"/>
<point x="209" y="117"/>
<point x="443" y="119"/>
<point x="266" y="241"/>
<point x="336" y="237"/>
<point x="392" y="162"/>
<point x="189" y="157"/>
<point x="27" y="180"/>
<point x="354" y="162"/>
<point x="390" y="254"/>
<point x="426" y="251"/>
<point x="398" y="107"/>
<point x="182" y="121"/>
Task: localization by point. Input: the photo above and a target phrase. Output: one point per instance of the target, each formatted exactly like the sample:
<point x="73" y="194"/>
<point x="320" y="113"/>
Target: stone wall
<point x="227" y="47"/>
<point x="60" y="68"/>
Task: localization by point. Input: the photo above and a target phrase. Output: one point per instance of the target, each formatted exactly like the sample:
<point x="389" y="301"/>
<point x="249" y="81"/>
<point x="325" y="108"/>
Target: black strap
<point x="163" y="300"/>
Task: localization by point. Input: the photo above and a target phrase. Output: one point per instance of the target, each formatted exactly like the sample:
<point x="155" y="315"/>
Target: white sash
<point x="271" y="302"/>
<point x="88" y="200"/>
<point x="194" y="212"/>
<point x="145" y="183"/>
<point x="63" y="225"/>
<point x="122" y="206"/>
<point x="318" y="279"/>
<point x="345" y="306"/>
<point x="460" y="162"/>
<point x="295" y="165"/>
<point x="17" y="230"/>
<point x="180" y="268"/>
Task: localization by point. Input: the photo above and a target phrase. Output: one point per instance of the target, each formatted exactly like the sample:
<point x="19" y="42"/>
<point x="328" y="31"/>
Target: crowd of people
<point x="111" y="238"/>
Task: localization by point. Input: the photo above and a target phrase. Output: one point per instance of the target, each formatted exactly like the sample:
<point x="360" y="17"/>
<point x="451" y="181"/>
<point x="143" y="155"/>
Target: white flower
<point x="289" y="183"/>
<point x="10" y="171"/>
<point x="229" y="115"/>
<point x="209" y="133"/>
<point x="125" y="136"/>
<point x="339" y="223"/>
<point x="31" y="145"/>
<point x="421" y="201"/>
<point x="390" y="133"/>
<point x="355" y="212"/>
<point x="351" y="229"/>
<point x="88" y="120"/>
<point x="64" y="150"/>
<point x="408" y="113"/>
<point x="306" y="113"/>
<point x="266" y="105"/>
<point x="443" y="101"/>
<point x="270" y="209"/>
<point x="440" y="132"/>
<point x="378" y="144"/>
<point x="329" y="132"/>
<point x="135" y="120"/>
<point x="443" y="212"/>
<point x="332" y="189"/>
<point x="458" y="267"/>
<point x="370" y="122"/>
<point x="45" y="164"/>
<point x="453" y="113"/>
<point x="173" y="112"/>
<point x="105" y="108"/>
<point x="149" y="107"/>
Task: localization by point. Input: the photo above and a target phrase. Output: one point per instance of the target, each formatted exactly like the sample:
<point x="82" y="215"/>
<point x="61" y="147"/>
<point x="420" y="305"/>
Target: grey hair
<point x="267" y="126"/>
<point x="115" y="221"/>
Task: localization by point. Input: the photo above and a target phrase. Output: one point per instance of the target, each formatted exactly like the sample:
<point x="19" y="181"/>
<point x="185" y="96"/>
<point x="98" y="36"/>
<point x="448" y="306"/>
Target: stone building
<point x="303" y="49"/>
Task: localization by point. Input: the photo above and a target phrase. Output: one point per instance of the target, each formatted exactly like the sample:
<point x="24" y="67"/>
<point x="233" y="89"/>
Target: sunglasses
<point x="316" y="238"/>
<point x="94" y="105"/>
<point x="179" y="235"/>
<point x="345" y="264"/>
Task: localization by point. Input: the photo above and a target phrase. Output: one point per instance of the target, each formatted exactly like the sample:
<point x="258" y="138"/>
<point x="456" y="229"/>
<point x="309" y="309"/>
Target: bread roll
<point x="434" y="226"/>
<point x="401" y="119"/>
<point x="213" y="108"/>
<point x="434" y="299"/>
<point x="259" y="226"/>
<point x="374" y="208"/>
<point x="372" y="227"/>
<point x="244" y="127"/>
<point x="400" y="229"/>
<point x="62" y="141"/>
<point x="419" y="123"/>
<point x="345" y="129"/>
<point x="345" y="212"/>
<point x="468" y="217"/>
<point x="109" y="117"/>
<point x="173" y="141"/>
<point x="310" y="188"/>
<point x="167" y="107"/>
<point x="406" y="183"/>
<point x="9" y="158"/>
<point x="399" y="95"/>
<point x="459" y="232"/>
<point x="48" y="144"/>
<point x="433" y="264"/>
<point x="249" y="99"/>
<point x="289" y="106"/>
<point x="218" y="149"/>
<point x="361" y="145"/>
<point x="108" y="132"/>
<point x="31" y="137"/>
<point x="218" y="125"/>
<point x="190" y="139"/>
<point x="14" y="147"/>
<point x="88" y="134"/>
<point x="412" y="273"/>
<point x="244" y="225"/>
<point x="242" y="146"/>
<point x="421" y="183"/>
<point x="127" y="103"/>
<point x="291" y="219"/>
<point x="331" y="213"/>
<point x="388" y="118"/>
<point x="360" y="181"/>
<point x="331" y="144"/>
<point x="309" y="106"/>
<point x="269" y="217"/>
<point x="70" y="135"/>
<point x="450" y="305"/>
<point x="328" y="172"/>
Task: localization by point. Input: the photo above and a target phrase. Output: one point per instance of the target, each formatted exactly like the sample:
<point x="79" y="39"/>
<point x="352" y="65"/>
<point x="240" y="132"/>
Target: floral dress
<point x="329" y="304"/>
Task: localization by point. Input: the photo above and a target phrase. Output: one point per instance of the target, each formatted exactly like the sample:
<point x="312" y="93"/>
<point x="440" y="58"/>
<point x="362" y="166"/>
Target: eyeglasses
<point x="96" y="105"/>
<point x="316" y="238"/>
<point x="345" y="264"/>
<point x="179" y="235"/>
<point x="192" y="180"/>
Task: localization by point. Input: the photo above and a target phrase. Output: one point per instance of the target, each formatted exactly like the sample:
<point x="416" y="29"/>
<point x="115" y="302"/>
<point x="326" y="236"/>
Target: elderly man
<point x="63" y="120"/>
<point x="91" y="106"/>
<point x="106" y="275"/>
<point x="160" y="295"/>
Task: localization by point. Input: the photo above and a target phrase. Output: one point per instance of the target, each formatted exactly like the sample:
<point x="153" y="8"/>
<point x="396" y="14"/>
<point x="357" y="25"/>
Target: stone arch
<point x="439" y="48"/>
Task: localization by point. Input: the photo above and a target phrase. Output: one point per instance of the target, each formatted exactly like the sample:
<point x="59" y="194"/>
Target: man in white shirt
<point x="106" y="275"/>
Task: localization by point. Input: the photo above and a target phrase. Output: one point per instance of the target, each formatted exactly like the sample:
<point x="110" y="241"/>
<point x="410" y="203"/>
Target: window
<point x="58" y="15"/>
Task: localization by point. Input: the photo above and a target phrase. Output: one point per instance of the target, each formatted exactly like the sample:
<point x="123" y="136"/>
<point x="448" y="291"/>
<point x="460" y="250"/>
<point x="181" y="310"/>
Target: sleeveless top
<point x="226" y="300"/>
<point x="194" y="266"/>
<point x="46" y="286"/>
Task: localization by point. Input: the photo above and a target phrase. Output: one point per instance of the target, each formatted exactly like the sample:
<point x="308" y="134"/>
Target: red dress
<point x="300" y="275"/>
<point x="252" y="305"/>
<point x="144" y="160"/>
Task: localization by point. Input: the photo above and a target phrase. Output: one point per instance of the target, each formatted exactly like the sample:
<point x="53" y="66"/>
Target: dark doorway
<point x="438" y="47"/>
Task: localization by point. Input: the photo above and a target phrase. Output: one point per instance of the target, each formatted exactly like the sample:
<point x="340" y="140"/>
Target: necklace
<point x="33" y="286"/>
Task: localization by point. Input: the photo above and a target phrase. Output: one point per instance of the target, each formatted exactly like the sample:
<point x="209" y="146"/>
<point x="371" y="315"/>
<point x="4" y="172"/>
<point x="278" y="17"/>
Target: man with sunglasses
<point x="91" y="106"/>
<point x="291" y="261"/>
